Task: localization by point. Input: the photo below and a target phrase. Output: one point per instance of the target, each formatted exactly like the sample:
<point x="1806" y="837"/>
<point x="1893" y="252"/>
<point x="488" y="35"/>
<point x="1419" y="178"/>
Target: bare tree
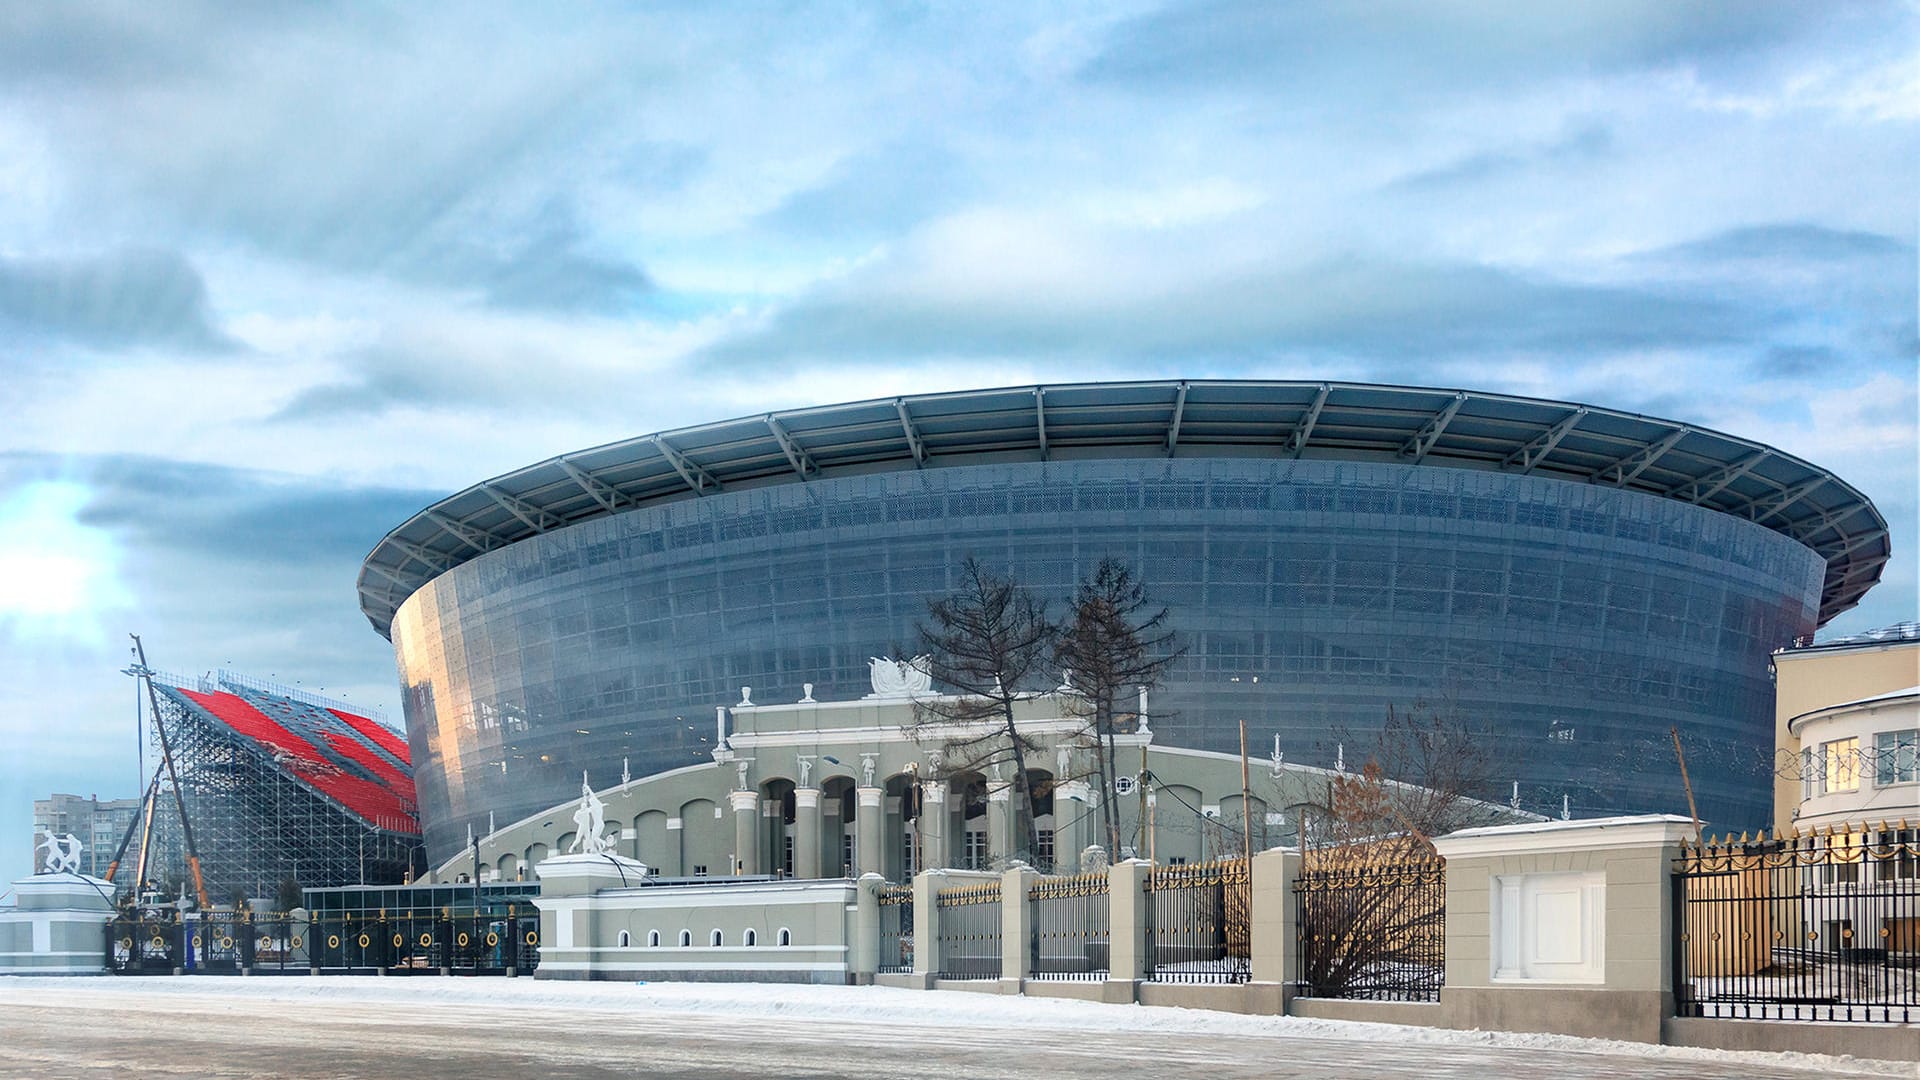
<point x="1115" y="643"/>
<point x="986" y="642"/>
<point x="1371" y="884"/>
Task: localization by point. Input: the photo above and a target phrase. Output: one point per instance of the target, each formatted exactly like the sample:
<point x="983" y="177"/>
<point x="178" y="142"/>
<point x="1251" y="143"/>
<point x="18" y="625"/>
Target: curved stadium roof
<point x="1345" y="421"/>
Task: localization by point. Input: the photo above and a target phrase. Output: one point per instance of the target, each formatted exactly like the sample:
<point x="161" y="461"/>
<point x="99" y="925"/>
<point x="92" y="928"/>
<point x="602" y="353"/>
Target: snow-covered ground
<point x="868" y="1009"/>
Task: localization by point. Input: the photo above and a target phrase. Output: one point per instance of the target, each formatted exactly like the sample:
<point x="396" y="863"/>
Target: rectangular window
<point x="699" y="869"/>
<point x="846" y="853"/>
<point x="1043" y="848"/>
<point x="1896" y="756"/>
<point x="976" y="857"/>
<point x="1899" y="855"/>
<point x="786" y="855"/>
<point x="1841" y="758"/>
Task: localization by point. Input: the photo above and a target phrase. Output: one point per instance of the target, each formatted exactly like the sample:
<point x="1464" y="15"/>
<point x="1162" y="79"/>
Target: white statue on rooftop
<point x="900" y="678"/>
<point x="63" y="853"/>
<point x="590" y="823"/>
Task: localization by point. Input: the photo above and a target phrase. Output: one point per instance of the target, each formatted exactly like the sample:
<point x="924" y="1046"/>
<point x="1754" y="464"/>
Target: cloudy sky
<point x="272" y="279"/>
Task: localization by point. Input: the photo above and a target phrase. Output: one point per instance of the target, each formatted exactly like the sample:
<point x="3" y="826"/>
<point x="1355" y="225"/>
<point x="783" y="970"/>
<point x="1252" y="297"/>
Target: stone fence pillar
<point x="1562" y="926"/>
<point x="1016" y="927"/>
<point x="864" y="956"/>
<point x="1127" y="922"/>
<point x="1274" y="918"/>
<point x="926" y="925"/>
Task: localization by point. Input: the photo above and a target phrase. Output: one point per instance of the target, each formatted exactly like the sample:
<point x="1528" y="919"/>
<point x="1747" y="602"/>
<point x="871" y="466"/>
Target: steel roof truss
<point x="405" y="583"/>
<point x="1706" y="487"/>
<point x="1767" y="506"/>
<point x="1423" y="440"/>
<point x="1297" y="442"/>
<point x="796" y="457"/>
<point x="1536" y="451"/>
<point x="478" y="539"/>
<point x="1173" y="424"/>
<point x="696" y="477"/>
<point x="600" y="491"/>
<point x="532" y="516"/>
<point x="434" y="561"/>
<point x="1040" y="418"/>
<point x="913" y="435"/>
<point x="1628" y="469"/>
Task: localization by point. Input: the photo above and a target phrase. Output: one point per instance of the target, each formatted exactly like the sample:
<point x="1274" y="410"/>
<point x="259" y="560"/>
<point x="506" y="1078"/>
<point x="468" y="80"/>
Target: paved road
<point x="56" y="1033"/>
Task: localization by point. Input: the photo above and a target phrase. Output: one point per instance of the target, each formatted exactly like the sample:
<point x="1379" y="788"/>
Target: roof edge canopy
<point x="1182" y="419"/>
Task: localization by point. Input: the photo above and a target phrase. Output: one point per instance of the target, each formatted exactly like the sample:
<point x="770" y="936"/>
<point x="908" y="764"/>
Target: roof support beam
<point x="1627" y="469"/>
<point x="1040" y="418"/>
<point x="601" y="492"/>
<point x="1422" y="441"/>
<point x="1298" y="440"/>
<point x="1173" y="425"/>
<point x="1806" y="528"/>
<point x="478" y="539"/>
<point x="433" y="560"/>
<point x="532" y="516"/>
<point x="1536" y="451"/>
<point x="1767" y="506"/>
<point x="1706" y="487"/>
<point x="913" y="435"/>
<point x="391" y="576"/>
<point x="1855" y="543"/>
<point x="696" y="477"/>
<point x="796" y="457"/>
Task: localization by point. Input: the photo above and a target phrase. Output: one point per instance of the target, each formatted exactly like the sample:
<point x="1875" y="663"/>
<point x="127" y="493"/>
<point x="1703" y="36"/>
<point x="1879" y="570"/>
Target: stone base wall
<point x="1890" y="1042"/>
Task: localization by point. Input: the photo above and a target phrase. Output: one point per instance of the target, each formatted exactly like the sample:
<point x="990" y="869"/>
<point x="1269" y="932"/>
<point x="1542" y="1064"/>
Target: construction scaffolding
<point x="278" y="787"/>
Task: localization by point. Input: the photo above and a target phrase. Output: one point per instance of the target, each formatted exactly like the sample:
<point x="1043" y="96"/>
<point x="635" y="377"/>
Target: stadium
<point x="1571" y="580"/>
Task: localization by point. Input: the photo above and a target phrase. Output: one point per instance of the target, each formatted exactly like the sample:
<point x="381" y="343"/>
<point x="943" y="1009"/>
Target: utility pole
<point x="1246" y="809"/>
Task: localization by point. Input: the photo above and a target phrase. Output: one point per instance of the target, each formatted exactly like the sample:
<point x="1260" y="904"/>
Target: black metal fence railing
<point x="1198" y="924"/>
<point x="1070" y="927"/>
<point x="896" y="929"/>
<point x="969" y="919"/>
<point x="1821" y="926"/>
<point x="326" y="943"/>
<point x="1373" y="932"/>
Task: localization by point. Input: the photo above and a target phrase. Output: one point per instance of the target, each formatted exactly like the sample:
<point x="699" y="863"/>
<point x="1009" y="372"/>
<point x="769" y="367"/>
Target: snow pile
<point x="876" y="1005"/>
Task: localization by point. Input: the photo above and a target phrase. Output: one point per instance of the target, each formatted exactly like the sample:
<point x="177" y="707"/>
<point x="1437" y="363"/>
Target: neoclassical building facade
<point x="881" y="784"/>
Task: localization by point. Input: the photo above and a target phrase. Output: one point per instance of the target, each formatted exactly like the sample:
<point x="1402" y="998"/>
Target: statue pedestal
<point x="567" y="886"/>
<point x="584" y="875"/>
<point x="57" y="927"/>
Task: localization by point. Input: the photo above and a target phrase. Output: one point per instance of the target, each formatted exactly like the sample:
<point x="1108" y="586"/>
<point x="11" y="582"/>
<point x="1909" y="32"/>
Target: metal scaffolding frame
<point x="256" y="822"/>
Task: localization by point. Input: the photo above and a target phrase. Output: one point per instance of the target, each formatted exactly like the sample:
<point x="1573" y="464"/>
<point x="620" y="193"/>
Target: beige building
<point x="1835" y="705"/>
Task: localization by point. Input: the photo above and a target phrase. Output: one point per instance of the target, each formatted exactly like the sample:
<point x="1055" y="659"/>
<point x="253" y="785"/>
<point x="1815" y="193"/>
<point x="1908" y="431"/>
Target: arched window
<point x="626" y="939"/>
<point x="714" y="939"/>
<point x="653" y="939"/>
<point x="686" y="938"/>
<point x="786" y="937"/>
<point x="746" y="938"/>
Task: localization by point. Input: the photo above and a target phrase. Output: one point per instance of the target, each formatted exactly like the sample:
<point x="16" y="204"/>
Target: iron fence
<point x="1373" y="932"/>
<point x="1070" y="927"/>
<point x="1817" y="926"/>
<point x="896" y="929"/>
<point x="334" y="943"/>
<point x="969" y="919"/>
<point x="1197" y="922"/>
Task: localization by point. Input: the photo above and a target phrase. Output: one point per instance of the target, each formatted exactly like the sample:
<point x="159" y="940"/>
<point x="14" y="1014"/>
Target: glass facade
<point x="1574" y="623"/>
